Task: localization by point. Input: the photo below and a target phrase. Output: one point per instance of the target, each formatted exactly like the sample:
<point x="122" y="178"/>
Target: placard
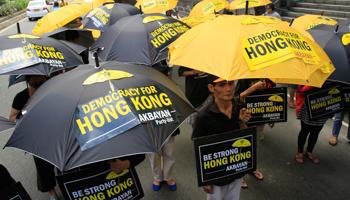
<point x="346" y="95"/>
<point x="94" y="184"/>
<point x="267" y="106"/>
<point x="224" y="157"/>
<point x="325" y="101"/>
<point x="15" y="192"/>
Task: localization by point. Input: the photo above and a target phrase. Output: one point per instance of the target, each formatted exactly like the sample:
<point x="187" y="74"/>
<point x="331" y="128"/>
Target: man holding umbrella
<point x="222" y="114"/>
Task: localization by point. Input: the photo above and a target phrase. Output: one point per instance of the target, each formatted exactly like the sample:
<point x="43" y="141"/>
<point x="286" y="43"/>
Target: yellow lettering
<point x="101" y="119"/>
<point x="86" y="124"/>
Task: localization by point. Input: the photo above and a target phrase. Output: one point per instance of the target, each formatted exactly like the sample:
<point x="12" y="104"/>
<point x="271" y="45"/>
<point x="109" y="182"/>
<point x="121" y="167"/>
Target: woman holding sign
<point x="309" y="127"/>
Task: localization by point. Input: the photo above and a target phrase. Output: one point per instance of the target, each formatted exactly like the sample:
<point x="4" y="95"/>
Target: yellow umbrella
<point x="156" y="6"/>
<point x="241" y="4"/>
<point x="220" y="4"/>
<point x="244" y="47"/>
<point x="309" y="21"/>
<point x="204" y="8"/>
<point x="58" y="18"/>
<point x="194" y="21"/>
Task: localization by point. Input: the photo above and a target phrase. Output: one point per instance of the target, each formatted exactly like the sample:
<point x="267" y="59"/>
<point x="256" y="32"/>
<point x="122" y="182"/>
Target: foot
<point x="262" y="138"/>
<point x="172" y="185"/>
<point x="53" y="194"/>
<point x="333" y="141"/>
<point x="244" y="184"/>
<point x="291" y="104"/>
<point x="258" y="175"/>
<point x="299" y="157"/>
<point x="156" y="185"/>
<point x="311" y="157"/>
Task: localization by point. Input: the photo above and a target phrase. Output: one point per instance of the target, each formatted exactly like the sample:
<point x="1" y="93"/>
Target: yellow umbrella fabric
<point x="220" y="4"/>
<point x="156" y="6"/>
<point x="241" y="4"/>
<point x="244" y="47"/>
<point x="194" y="21"/>
<point x="309" y="21"/>
<point x="204" y="8"/>
<point x="58" y="18"/>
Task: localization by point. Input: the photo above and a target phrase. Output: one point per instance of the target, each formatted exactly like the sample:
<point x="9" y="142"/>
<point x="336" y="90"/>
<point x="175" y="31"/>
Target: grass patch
<point x="12" y="7"/>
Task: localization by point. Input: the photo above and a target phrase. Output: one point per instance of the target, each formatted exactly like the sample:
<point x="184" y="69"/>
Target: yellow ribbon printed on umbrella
<point x="106" y="75"/>
<point x="275" y="46"/>
<point x="345" y="39"/>
<point x="156" y="6"/>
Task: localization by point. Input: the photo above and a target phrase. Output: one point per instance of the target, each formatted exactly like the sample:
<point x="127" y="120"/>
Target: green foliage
<point x="12" y="7"/>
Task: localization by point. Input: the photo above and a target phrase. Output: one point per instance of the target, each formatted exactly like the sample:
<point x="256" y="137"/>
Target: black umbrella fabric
<point x="104" y="16"/>
<point x="335" y="42"/>
<point x="139" y="39"/>
<point x="146" y="105"/>
<point x="30" y="54"/>
<point x="6" y="124"/>
<point x="85" y="36"/>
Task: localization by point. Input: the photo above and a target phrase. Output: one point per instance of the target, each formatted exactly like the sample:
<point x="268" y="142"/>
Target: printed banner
<point x="15" y="192"/>
<point x="99" y="17"/>
<point x="17" y="58"/>
<point x="153" y="105"/>
<point x="103" y="118"/>
<point x="346" y="94"/>
<point x="94" y="184"/>
<point x="225" y="156"/>
<point x="268" y="105"/>
<point x="163" y="36"/>
<point x="324" y="101"/>
<point x="151" y="4"/>
<point x="275" y="46"/>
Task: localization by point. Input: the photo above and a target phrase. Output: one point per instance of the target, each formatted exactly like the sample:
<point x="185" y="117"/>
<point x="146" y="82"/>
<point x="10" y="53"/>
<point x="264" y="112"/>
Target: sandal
<point x="299" y="157"/>
<point x="311" y="157"/>
<point x="333" y="142"/>
<point x="258" y="175"/>
<point x="244" y="184"/>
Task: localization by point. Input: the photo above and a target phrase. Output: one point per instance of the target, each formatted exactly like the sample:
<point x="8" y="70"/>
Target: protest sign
<point x="346" y="94"/>
<point x="14" y="192"/>
<point x="325" y="101"/>
<point x="224" y="157"/>
<point x="267" y="106"/>
<point x="99" y="17"/>
<point x="92" y="184"/>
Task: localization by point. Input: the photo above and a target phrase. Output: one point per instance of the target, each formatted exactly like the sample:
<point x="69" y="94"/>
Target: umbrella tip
<point x="140" y="10"/>
<point x="291" y="22"/>
<point x="336" y="29"/>
<point x="18" y="28"/>
<point x="96" y="58"/>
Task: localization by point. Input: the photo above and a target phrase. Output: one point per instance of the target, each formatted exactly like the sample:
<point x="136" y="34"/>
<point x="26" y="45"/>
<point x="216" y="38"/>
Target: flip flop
<point x="311" y="157"/>
<point x="332" y="142"/>
<point x="258" y="175"/>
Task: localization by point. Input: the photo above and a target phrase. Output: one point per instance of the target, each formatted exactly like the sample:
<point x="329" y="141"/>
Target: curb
<point x="9" y="20"/>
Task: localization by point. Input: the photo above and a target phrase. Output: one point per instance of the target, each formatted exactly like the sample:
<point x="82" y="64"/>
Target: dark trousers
<point x="45" y="175"/>
<point x="5" y="178"/>
<point x="304" y="132"/>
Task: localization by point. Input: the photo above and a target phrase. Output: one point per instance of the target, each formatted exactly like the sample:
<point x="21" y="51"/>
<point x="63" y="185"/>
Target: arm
<point x="184" y="71"/>
<point x="257" y="86"/>
<point x="13" y="114"/>
<point x="118" y="165"/>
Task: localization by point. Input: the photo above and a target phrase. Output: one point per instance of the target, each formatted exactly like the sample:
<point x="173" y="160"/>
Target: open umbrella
<point x="58" y="18"/>
<point x="156" y="6"/>
<point x="6" y="124"/>
<point x="335" y="42"/>
<point x="30" y="54"/>
<point x="241" y="4"/>
<point x="85" y="36"/>
<point x="105" y="16"/>
<point x="204" y="8"/>
<point x="245" y="47"/>
<point x="194" y="21"/>
<point x="88" y="115"/>
<point x="139" y="39"/>
<point x="309" y="21"/>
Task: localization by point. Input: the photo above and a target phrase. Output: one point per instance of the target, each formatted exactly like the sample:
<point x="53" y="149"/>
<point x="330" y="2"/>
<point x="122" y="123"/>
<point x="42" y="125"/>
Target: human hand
<point x="259" y="85"/>
<point x="271" y="125"/>
<point x="244" y="115"/>
<point x="208" y="189"/>
<point x="118" y="166"/>
<point x="195" y="72"/>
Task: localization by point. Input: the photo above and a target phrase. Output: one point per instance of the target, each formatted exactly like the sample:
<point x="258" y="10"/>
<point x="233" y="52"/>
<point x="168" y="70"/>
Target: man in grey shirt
<point x="270" y="11"/>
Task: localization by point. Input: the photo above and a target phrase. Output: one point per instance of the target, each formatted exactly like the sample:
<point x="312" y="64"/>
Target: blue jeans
<point x="338" y="119"/>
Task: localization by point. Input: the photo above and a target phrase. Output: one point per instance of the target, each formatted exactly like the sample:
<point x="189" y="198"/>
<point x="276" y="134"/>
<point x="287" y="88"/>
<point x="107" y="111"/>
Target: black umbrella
<point x="6" y="124"/>
<point x="335" y="42"/>
<point x="30" y="54"/>
<point x="139" y="39"/>
<point x="104" y="16"/>
<point x="85" y="36"/>
<point x="63" y="112"/>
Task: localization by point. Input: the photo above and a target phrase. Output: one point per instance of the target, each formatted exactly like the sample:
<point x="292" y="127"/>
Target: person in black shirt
<point x="222" y="114"/>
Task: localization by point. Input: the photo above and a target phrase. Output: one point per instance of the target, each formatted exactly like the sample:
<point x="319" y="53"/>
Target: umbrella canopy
<point x="244" y="47"/>
<point x="194" y="21"/>
<point x="306" y="22"/>
<point x="335" y="42"/>
<point x="6" y="124"/>
<point x="204" y="8"/>
<point x="241" y="4"/>
<point x="58" y="18"/>
<point x="30" y="54"/>
<point x="105" y="16"/>
<point x="121" y="109"/>
<point x="156" y="6"/>
<point x="140" y="39"/>
<point x="85" y="36"/>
